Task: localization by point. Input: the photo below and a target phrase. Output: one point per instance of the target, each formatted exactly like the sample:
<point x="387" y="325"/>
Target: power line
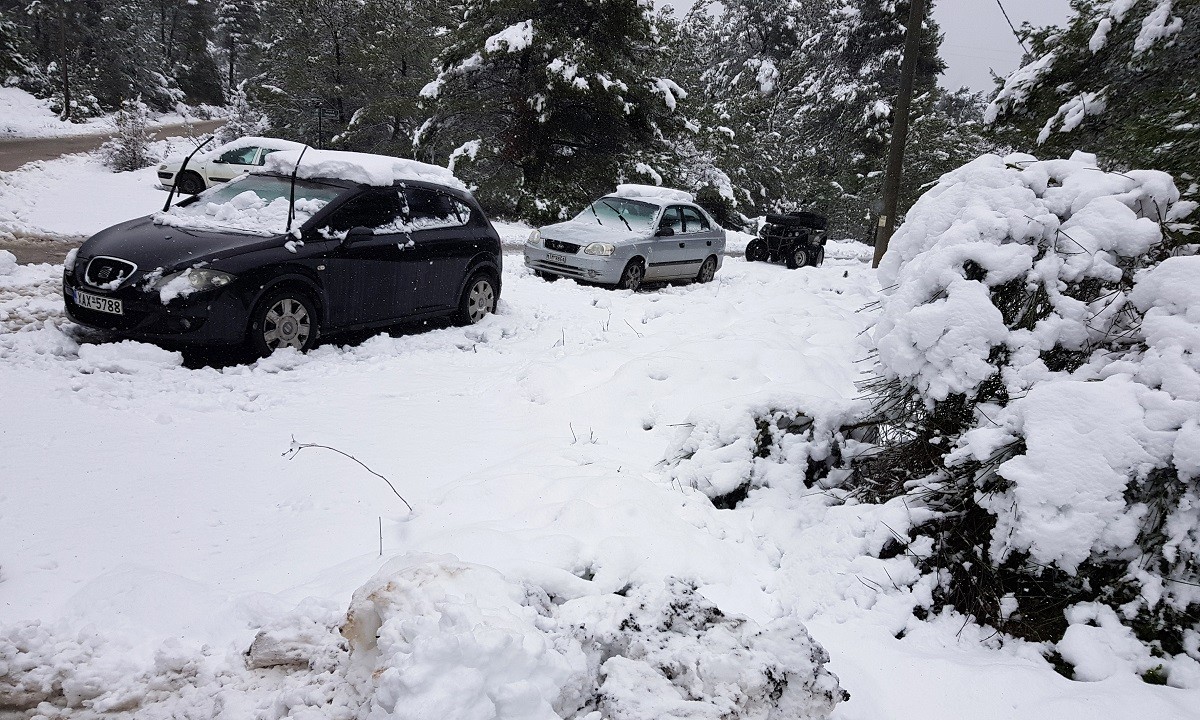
<point x="1016" y="34"/>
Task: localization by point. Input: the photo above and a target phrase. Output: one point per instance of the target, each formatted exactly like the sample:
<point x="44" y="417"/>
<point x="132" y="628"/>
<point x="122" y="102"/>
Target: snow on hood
<point x="362" y="168"/>
<point x="584" y="232"/>
<point x="652" y="192"/>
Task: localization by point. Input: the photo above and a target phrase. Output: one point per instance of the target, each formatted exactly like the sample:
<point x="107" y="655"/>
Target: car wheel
<point x="756" y="250"/>
<point x="190" y="183"/>
<point x="284" y="318"/>
<point x="708" y="270"/>
<point x="548" y="277"/>
<point x="631" y="278"/>
<point x="478" y="299"/>
<point x="798" y="257"/>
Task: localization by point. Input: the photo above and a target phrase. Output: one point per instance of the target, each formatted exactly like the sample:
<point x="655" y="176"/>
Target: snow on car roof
<point x="253" y="141"/>
<point x="652" y="192"/>
<point x="362" y="168"/>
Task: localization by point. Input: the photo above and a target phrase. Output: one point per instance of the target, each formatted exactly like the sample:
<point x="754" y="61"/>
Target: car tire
<point x="478" y="299"/>
<point x="548" y="277"/>
<point x="190" y="183"/>
<point x="708" y="270"/>
<point x="798" y="256"/>
<point x="283" y="318"/>
<point x="756" y="250"/>
<point x="632" y="276"/>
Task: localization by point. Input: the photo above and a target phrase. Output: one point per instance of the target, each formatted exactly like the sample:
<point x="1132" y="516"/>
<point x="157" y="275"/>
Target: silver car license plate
<point x="556" y="258"/>
<point x="99" y="303"/>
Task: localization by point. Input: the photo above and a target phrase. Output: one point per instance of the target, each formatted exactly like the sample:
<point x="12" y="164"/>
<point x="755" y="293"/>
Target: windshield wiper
<point x="592" y="207"/>
<point x="619" y="215"/>
<point x="186" y="160"/>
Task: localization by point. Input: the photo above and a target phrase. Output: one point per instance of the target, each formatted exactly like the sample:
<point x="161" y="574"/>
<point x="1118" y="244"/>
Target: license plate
<point x="557" y="258"/>
<point x="98" y="303"/>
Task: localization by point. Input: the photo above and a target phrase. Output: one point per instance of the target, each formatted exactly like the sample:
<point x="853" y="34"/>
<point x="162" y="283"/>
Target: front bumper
<point x="217" y="317"/>
<point x="605" y="270"/>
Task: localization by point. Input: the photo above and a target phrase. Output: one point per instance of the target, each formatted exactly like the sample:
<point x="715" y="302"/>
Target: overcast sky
<point x="976" y="36"/>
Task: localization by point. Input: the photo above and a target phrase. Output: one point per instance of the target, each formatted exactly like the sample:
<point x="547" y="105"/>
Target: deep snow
<point x="152" y="523"/>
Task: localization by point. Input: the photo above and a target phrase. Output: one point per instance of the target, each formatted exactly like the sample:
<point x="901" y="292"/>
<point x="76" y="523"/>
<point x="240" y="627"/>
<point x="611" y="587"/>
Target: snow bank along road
<point x="150" y="524"/>
<point x="15" y="152"/>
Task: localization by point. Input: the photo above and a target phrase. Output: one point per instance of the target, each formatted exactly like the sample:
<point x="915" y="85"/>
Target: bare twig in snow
<point x="296" y="447"/>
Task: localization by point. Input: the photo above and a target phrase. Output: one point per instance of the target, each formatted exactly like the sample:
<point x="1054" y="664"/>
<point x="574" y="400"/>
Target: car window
<point x="262" y="159"/>
<point x="672" y="219"/>
<point x="694" y="221"/>
<point x="428" y="209"/>
<point x="379" y="211"/>
<point x="616" y="211"/>
<point x="239" y="156"/>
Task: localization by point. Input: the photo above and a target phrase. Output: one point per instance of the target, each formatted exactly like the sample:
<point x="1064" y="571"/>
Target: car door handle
<point x="682" y="245"/>
<point x="709" y="243"/>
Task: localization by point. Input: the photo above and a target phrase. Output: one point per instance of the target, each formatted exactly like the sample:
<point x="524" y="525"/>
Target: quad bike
<point x="797" y="238"/>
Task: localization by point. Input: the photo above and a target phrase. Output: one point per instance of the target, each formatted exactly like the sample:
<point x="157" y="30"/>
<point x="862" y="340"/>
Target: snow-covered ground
<point x="153" y="521"/>
<point x="24" y="116"/>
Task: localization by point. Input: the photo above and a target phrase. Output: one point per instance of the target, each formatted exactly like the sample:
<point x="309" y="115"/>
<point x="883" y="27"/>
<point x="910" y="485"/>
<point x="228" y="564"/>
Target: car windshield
<point x="610" y="211"/>
<point x="253" y="204"/>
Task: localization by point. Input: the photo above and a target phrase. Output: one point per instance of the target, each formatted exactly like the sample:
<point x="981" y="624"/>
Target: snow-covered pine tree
<point x="1119" y="81"/>
<point x="129" y="147"/>
<point x="551" y="99"/>
<point x="238" y="28"/>
<point x="243" y="119"/>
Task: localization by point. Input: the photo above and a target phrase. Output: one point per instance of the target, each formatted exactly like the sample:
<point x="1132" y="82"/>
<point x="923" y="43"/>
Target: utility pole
<point x="895" y="159"/>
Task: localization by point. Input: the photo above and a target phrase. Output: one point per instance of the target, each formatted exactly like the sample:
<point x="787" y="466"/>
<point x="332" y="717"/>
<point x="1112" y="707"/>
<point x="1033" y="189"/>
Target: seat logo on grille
<point x="105" y="272"/>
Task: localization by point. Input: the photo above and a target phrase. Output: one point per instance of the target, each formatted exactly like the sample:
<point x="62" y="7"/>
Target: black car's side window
<point x="377" y="210"/>
<point x="428" y="209"/>
<point x="694" y="221"/>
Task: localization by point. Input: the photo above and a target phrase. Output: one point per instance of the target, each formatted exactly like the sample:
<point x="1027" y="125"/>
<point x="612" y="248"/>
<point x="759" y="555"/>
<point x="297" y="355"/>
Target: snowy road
<point x="153" y="504"/>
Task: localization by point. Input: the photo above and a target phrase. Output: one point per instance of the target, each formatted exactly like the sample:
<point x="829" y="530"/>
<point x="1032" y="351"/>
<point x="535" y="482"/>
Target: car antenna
<point x="292" y="199"/>
<point x="183" y="167"/>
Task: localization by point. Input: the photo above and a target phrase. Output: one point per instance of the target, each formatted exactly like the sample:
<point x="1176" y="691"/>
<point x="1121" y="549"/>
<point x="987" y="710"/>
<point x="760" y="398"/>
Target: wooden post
<point x="895" y="159"/>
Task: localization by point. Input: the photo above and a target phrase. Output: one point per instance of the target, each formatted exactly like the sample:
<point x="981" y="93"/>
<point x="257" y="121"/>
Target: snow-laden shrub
<point x="1039" y="386"/>
<point x="129" y="147"/>
<point x="437" y="638"/>
<point x="780" y="441"/>
<point x="243" y="119"/>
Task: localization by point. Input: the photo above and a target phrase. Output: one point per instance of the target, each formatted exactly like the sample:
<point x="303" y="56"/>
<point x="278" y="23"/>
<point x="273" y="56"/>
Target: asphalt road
<point x="15" y="153"/>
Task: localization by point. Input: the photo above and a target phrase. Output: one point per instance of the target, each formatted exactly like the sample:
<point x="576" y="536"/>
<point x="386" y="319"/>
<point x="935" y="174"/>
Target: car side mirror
<point x="358" y="232"/>
<point x="218" y="160"/>
<point x="664" y="232"/>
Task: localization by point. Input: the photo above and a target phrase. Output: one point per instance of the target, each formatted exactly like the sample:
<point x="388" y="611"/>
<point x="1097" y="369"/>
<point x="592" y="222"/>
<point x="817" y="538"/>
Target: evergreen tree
<point x="551" y="99"/>
<point x="129" y="147"/>
<point x="238" y="27"/>
<point x="1119" y="81"/>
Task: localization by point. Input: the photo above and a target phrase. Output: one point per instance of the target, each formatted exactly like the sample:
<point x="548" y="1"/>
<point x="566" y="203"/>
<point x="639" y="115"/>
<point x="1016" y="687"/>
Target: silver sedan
<point x="638" y="234"/>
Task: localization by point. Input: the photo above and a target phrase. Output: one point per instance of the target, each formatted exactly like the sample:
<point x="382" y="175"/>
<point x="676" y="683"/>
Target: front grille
<point x="562" y="247"/>
<point x="108" y="272"/>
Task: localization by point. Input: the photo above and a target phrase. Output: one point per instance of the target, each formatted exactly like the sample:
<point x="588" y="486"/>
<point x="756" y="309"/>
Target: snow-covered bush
<point x="243" y="119"/>
<point x="129" y="147"/>
<point x="1039" y="387"/>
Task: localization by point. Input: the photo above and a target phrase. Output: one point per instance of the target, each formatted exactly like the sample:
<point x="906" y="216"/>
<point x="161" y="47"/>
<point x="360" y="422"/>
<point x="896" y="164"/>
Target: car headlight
<point x="599" y="248"/>
<point x="535" y="237"/>
<point x="69" y="261"/>
<point x="193" y="280"/>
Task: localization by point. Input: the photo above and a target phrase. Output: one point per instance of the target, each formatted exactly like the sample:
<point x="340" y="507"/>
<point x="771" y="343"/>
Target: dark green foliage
<point x="1151" y="97"/>
<point x="561" y="112"/>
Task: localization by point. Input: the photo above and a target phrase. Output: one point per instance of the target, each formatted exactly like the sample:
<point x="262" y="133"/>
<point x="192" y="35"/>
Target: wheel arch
<point x="294" y="280"/>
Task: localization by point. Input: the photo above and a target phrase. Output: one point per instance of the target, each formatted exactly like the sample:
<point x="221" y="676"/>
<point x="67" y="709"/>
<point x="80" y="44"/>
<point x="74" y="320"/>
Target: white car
<point x="221" y="164"/>
<point x="640" y="232"/>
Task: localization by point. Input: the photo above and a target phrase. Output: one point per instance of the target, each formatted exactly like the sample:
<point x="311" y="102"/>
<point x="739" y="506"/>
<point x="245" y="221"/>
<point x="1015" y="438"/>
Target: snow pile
<point x="245" y="212"/>
<point x="1033" y="333"/>
<point x="361" y="168"/>
<point x="652" y="192"/>
<point x="432" y="638"/>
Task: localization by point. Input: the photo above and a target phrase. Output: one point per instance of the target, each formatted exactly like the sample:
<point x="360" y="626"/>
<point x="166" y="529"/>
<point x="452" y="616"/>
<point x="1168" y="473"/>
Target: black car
<point x="218" y="269"/>
<point x="797" y="239"/>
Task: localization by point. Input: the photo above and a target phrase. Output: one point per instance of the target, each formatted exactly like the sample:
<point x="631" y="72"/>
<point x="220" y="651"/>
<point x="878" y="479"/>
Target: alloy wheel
<point x="481" y="300"/>
<point x="287" y="324"/>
